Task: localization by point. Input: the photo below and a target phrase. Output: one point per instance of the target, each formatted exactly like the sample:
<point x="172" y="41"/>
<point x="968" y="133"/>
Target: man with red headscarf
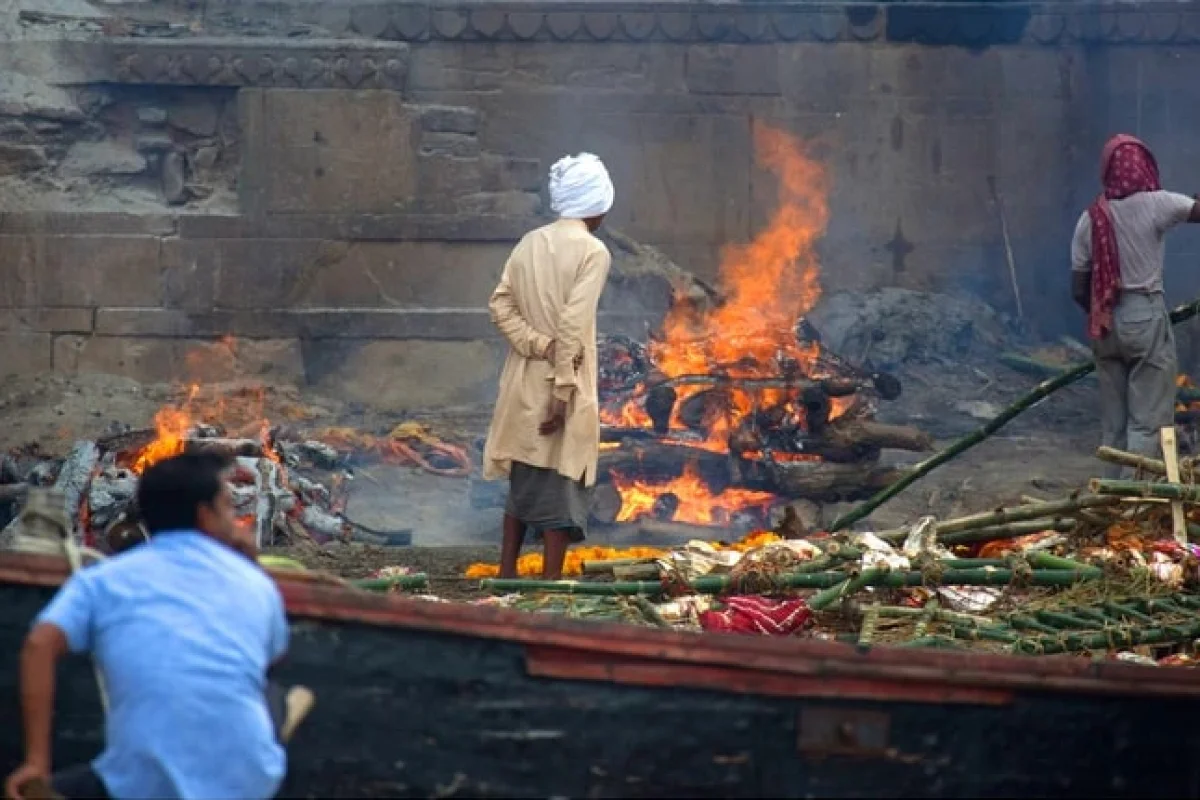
<point x="1117" y="262"/>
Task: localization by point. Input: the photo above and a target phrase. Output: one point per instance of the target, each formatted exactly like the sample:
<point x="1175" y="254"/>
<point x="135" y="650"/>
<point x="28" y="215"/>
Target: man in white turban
<point x="545" y="432"/>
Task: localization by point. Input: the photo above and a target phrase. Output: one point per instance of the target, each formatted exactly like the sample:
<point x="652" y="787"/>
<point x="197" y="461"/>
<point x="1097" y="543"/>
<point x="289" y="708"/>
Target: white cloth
<point x="580" y="187"/>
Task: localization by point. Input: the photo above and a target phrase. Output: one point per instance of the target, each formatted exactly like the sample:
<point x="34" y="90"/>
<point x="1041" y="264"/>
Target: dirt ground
<point x="1045" y="452"/>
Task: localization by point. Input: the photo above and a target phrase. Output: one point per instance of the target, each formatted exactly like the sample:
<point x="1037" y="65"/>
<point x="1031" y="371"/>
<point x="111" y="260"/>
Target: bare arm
<point x="506" y="316"/>
<point x="1081" y="290"/>
<point x="44" y="646"/>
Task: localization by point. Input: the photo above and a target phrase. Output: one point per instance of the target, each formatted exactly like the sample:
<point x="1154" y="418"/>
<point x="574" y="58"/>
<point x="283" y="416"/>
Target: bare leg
<point x="510" y="546"/>
<point x="556" y="543"/>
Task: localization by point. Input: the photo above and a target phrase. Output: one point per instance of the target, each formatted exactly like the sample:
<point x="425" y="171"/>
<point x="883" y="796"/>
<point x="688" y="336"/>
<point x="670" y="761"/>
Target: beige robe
<point x="549" y="292"/>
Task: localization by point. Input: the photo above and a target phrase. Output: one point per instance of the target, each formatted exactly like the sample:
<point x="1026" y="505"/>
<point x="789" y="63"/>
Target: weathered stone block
<point x="267" y="274"/>
<point x="443" y="179"/>
<point x="502" y="174"/>
<point x="46" y="320"/>
<point x="161" y="360"/>
<point x="823" y="77"/>
<point x="401" y="375"/>
<point x="450" y="119"/>
<point x="79" y="270"/>
<point x="328" y="151"/>
<point x="456" y="145"/>
<point x="74" y="222"/>
<point x="732" y="69"/>
<point x="25" y="352"/>
<point x="315" y="323"/>
<point x="510" y="204"/>
<point x="16" y="159"/>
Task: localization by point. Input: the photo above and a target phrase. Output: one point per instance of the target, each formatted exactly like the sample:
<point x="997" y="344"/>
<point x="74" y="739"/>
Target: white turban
<point x="580" y="187"/>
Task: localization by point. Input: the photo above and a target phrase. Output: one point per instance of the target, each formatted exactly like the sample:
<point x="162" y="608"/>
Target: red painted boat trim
<point x="557" y="662"/>
<point x="796" y="659"/>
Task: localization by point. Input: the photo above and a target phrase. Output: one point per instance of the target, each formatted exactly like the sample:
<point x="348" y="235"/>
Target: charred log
<point x="250" y="448"/>
<point x="842" y="442"/>
<point x="660" y="403"/>
<point x="823" y="481"/>
<point x="699" y="411"/>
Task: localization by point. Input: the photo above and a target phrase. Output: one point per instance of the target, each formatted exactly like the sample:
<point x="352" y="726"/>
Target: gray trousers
<point x="1136" y="366"/>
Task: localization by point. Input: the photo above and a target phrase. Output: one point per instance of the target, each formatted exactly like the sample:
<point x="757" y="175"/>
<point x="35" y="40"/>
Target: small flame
<point x="171" y="426"/>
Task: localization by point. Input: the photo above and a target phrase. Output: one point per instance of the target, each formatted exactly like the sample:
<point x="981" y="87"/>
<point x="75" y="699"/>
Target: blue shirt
<point x="183" y="629"/>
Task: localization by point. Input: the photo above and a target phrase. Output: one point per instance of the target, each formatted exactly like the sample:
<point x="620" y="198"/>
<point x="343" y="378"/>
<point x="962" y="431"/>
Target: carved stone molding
<point x="977" y="24"/>
<point x="216" y="61"/>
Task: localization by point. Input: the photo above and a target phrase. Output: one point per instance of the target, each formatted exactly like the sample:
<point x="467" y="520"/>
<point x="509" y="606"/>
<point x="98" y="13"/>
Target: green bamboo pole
<point x="1040" y="559"/>
<point x="824" y="599"/>
<point x="835" y="584"/>
<point x="417" y="580"/>
<point x="1031" y="511"/>
<point x="1039" y="392"/>
<point x="1010" y="531"/>
<point x="1114" y="456"/>
<point x="1122" y="610"/>
<point x="1023" y="623"/>
<point x="1064" y="621"/>
<point x="1166" y="491"/>
<point x="973" y="633"/>
<point x="935" y="614"/>
<point x="606" y="567"/>
<point x="941" y="642"/>
<point x="1106" y="640"/>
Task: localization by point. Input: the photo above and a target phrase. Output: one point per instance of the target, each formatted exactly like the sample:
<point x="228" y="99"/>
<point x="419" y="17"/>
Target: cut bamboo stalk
<point x="1019" y="513"/>
<point x="417" y="580"/>
<point x="637" y="572"/>
<point x="1171" y="460"/>
<point x="1125" y="459"/>
<point x="606" y="567"/>
<point x="1137" y="490"/>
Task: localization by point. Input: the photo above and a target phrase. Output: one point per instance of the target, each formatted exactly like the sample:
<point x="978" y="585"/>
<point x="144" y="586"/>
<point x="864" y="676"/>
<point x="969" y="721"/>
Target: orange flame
<point x="171" y="425"/>
<point x="697" y="504"/>
<point x="768" y="284"/>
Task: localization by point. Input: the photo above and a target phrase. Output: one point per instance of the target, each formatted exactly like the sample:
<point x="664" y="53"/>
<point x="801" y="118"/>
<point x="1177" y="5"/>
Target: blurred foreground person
<point x="1117" y="278"/>
<point x="183" y="630"/>
<point x="545" y="432"/>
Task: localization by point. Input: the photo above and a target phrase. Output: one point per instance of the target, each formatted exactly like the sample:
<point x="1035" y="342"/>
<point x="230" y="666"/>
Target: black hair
<point x="170" y="492"/>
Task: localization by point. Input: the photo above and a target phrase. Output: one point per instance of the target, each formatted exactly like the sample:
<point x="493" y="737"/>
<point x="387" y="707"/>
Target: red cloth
<point x="1126" y="167"/>
<point x="752" y="614"/>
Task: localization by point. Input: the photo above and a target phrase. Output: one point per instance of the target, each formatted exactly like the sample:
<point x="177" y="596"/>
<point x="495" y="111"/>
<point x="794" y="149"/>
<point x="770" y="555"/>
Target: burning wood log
<point x="825" y="481"/>
<point x="842" y="441"/>
<point x="233" y="448"/>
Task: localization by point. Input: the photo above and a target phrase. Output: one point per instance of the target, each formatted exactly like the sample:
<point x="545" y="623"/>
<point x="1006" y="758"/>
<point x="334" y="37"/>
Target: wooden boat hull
<point x="426" y="699"/>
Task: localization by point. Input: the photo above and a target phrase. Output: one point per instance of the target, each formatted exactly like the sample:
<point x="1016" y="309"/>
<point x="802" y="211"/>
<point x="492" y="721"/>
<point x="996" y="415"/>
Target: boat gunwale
<point x="307" y="599"/>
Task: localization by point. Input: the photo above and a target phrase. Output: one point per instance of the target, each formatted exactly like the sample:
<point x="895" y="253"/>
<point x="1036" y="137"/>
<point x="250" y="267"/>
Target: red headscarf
<point x="1126" y="167"/>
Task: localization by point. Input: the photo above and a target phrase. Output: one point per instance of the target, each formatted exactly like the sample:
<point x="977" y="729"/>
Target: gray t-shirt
<point x="1140" y="221"/>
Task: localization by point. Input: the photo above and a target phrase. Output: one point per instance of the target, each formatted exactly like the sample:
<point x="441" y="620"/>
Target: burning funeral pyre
<point x="287" y="487"/>
<point x="735" y="402"/>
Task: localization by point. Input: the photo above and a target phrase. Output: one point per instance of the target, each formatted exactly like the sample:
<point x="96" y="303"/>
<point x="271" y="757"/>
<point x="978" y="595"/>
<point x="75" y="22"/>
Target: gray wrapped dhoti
<point x="1136" y="366"/>
<point x="544" y="501"/>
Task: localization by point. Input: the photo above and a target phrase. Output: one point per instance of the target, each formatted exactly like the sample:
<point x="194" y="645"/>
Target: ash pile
<point x="286" y="489"/>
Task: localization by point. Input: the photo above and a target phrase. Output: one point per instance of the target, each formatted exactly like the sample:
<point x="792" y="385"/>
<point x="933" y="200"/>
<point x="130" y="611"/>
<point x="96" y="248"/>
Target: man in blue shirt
<point x="183" y="630"/>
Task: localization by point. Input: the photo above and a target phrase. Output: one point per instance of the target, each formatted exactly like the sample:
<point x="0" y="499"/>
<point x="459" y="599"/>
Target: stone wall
<point x="386" y="155"/>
